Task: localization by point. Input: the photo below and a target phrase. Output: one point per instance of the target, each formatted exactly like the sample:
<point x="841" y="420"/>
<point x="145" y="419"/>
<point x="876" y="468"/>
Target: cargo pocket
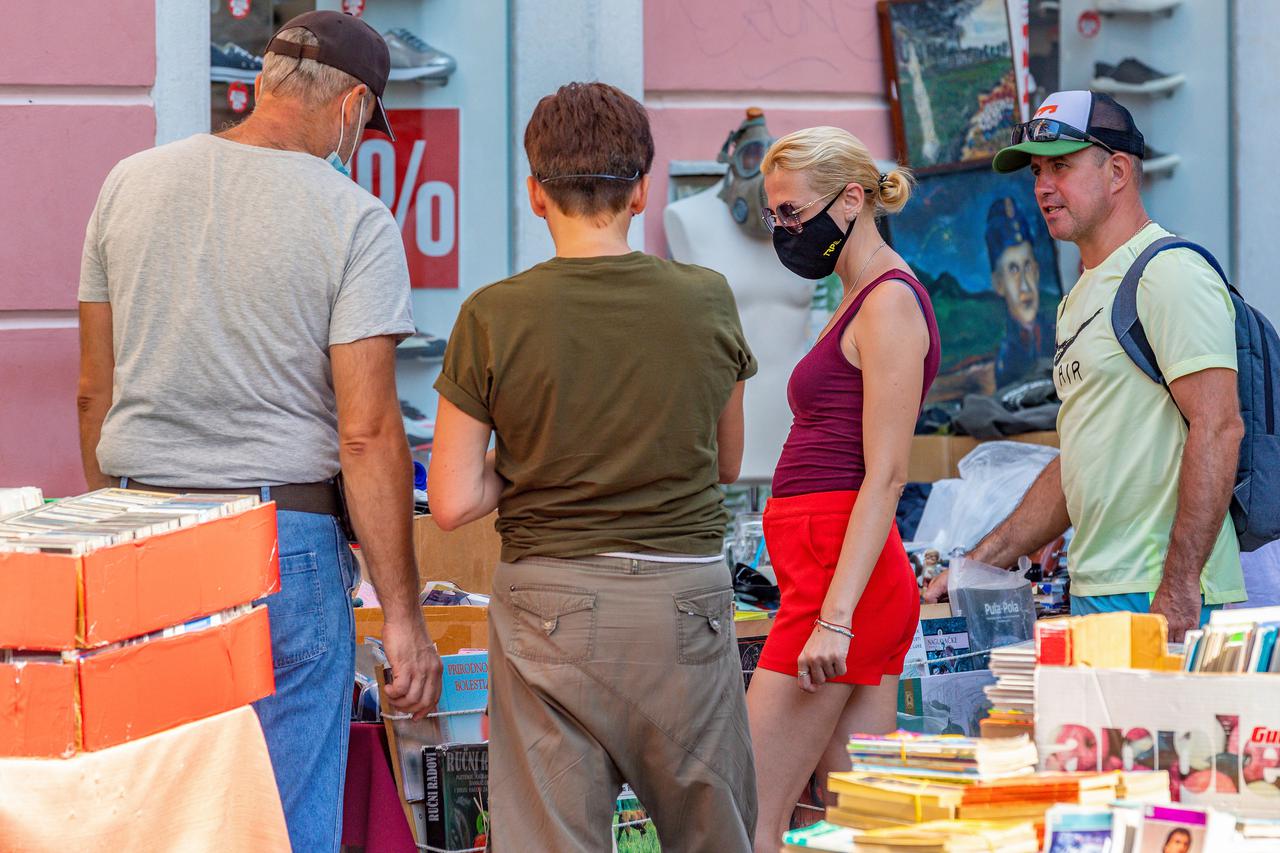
<point x="552" y="624"/>
<point x="705" y="622"/>
<point x="298" y="631"/>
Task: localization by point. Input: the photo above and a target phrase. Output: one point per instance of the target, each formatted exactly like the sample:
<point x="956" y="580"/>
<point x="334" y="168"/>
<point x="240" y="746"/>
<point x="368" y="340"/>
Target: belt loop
<point x="265" y="493"/>
<point x="635" y="567"/>
<point x="124" y="482"/>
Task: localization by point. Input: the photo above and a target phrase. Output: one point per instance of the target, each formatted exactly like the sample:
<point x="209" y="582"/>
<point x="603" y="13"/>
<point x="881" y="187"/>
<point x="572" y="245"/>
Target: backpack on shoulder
<point x="1255" y="503"/>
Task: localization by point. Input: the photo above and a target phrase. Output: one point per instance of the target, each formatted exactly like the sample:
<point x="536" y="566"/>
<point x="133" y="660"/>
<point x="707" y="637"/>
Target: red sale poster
<point x="416" y="177"/>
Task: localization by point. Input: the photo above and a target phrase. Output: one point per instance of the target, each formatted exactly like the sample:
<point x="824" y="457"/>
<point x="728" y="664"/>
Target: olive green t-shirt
<point x="604" y="379"/>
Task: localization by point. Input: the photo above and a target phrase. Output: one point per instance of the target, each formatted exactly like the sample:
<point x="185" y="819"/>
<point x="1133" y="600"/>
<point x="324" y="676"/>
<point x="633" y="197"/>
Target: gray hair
<point x="304" y="79"/>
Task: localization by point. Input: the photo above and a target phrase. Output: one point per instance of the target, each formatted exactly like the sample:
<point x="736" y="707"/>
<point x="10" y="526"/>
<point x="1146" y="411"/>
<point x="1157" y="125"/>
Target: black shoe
<point x="1133" y="77"/>
<point x="421" y="345"/>
<point x="230" y="61"/>
<point x="754" y="588"/>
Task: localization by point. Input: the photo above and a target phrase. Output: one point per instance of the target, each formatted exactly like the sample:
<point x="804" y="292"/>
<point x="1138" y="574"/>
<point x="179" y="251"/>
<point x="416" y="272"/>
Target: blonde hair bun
<point x="831" y="158"/>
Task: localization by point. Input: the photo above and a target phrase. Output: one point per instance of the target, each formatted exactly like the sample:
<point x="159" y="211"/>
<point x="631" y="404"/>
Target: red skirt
<point x="804" y="535"/>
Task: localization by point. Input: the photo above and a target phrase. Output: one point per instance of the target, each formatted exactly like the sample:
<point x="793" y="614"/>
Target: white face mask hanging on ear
<point x="335" y="158"/>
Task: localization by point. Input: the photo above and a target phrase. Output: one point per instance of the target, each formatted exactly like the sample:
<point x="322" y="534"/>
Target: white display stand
<point x="774" y="306"/>
<point x="1194" y="121"/>
<point x="1216" y="734"/>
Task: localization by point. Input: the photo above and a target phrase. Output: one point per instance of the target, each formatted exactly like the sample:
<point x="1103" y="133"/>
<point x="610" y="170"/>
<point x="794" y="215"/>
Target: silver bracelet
<point x="834" y="628"/>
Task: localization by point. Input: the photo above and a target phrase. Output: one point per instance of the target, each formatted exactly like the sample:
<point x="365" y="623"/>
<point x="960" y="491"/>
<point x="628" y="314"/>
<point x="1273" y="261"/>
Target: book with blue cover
<point x="946" y="645"/>
<point x="464" y="686"/>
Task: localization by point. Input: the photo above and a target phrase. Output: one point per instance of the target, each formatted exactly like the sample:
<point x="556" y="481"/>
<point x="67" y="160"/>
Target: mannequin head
<point x="743" y="188"/>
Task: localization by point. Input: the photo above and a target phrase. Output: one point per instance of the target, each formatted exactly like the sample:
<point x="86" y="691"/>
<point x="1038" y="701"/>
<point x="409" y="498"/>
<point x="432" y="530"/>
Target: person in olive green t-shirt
<point x="1146" y="471"/>
<point x="612" y="384"/>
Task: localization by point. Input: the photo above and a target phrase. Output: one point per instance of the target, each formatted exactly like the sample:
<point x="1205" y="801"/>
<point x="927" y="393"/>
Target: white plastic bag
<point x="993" y="478"/>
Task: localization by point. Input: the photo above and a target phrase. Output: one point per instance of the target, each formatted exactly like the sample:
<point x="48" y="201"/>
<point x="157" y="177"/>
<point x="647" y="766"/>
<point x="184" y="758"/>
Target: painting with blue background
<point x="977" y="242"/>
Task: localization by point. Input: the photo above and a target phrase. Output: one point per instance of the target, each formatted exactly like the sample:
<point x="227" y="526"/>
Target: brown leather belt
<point x="322" y="498"/>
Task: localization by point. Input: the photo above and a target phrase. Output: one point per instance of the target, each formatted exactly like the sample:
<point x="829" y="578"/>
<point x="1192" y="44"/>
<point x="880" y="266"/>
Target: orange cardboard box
<point x="38" y="709"/>
<point x="453" y="628"/>
<point x="100" y="699"/>
<point x="54" y="602"/>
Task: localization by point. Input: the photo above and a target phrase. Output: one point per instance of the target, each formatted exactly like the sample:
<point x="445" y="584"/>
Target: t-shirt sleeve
<point x="93" y="269"/>
<point x="1187" y="315"/>
<point x="466" y="379"/>
<point x="373" y="298"/>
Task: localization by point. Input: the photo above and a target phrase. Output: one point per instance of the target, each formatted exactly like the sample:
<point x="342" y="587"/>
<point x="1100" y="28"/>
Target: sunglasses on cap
<point x="787" y="216"/>
<point x="1052" y="130"/>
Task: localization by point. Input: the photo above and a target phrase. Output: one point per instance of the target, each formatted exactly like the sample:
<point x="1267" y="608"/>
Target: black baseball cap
<point x="1067" y="122"/>
<point x="347" y="44"/>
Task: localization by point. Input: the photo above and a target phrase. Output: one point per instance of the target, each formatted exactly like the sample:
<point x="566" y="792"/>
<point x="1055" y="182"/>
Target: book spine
<point x="433" y="786"/>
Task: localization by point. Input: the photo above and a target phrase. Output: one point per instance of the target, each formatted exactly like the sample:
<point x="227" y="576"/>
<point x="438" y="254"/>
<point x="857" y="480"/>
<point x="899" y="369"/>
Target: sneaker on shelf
<point x="422" y="346"/>
<point x="1137" y="7"/>
<point x="414" y="59"/>
<point x="1133" y="77"/>
<point x="419" y="429"/>
<point x="230" y="62"/>
<point x="1157" y="163"/>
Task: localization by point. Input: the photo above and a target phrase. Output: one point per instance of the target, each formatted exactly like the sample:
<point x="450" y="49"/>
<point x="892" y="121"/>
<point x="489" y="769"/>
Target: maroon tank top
<point x="823" y="452"/>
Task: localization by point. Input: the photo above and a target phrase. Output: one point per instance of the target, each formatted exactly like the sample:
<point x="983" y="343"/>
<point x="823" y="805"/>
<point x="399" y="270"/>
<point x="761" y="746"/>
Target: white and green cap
<point x="1067" y="122"/>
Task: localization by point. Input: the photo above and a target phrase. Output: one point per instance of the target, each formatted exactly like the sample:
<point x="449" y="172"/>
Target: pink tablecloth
<point x="372" y="816"/>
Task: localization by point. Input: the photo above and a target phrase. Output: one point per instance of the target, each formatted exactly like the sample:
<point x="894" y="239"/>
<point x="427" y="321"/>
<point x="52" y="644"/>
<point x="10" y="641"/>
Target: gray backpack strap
<point x="1124" y="312"/>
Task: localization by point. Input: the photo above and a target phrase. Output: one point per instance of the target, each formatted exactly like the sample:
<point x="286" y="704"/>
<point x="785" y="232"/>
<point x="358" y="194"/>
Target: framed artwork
<point x="977" y="242"/>
<point x="950" y="78"/>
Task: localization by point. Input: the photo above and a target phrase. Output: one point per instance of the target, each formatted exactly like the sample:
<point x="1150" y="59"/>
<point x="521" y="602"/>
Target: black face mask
<point x="813" y="253"/>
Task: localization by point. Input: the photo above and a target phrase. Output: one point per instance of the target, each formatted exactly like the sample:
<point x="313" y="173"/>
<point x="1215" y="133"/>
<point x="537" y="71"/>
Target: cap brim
<point x="378" y="121"/>
<point x="1019" y="156"/>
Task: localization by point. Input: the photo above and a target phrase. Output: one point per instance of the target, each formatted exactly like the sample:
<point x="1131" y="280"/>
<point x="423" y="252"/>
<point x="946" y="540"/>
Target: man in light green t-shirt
<point x="1146" y="471"/>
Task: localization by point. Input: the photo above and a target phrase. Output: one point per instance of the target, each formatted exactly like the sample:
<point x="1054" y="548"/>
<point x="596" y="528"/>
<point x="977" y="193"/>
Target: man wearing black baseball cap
<point x="1147" y="469"/>
<point x="241" y="301"/>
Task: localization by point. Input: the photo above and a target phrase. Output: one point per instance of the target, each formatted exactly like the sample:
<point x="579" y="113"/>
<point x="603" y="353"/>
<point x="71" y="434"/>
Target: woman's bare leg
<point x="790" y="730"/>
<point x="870" y="711"/>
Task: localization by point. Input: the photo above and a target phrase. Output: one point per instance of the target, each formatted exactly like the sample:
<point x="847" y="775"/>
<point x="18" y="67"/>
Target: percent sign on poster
<point x="416" y="177"/>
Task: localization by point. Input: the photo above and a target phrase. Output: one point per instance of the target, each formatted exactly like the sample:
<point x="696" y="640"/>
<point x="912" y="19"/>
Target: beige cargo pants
<point x="607" y="670"/>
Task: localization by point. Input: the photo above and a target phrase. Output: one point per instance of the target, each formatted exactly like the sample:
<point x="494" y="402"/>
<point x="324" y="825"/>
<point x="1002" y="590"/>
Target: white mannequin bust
<point x="774" y="306"/>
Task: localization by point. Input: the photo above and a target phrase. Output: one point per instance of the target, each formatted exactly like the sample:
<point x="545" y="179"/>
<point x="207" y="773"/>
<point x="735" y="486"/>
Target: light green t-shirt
<point x="1122" y="435"/>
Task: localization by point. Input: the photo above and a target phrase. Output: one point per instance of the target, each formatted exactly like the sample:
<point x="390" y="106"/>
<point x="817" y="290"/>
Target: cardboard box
<point x="54" y="602"/>
<point x="467" y="556"/>
<point x="453" y="628"/>
<point x="937" y="457"/>
<point x="94" y="700"/>
<point x="1218" y="735"/>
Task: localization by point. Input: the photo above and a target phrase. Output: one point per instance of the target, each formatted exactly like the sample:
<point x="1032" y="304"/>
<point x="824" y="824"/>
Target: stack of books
<point x="1239" y="641"/>
<point x="1142" y="786"/>
<point x="107" y="517"/>
<point x="942" y="757"/>
<point x="866" y="801"/>
<point x="1013" y="696"/>
<point x="951" y="836"/>
<point x="1107" y="641"/>
<point x="19" y="499"/>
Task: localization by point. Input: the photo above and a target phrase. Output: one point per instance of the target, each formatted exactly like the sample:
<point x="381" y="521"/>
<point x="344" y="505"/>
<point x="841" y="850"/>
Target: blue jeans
<point x="313" y="649"/>
<point x="1132" y="602"/>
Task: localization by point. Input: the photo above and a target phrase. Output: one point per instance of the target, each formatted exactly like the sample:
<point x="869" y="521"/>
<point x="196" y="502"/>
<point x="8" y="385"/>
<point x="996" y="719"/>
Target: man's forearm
<point x="1040" y="518"/>
<point x="1209" y="461"/>
<point x="92" y="412"/>
<point x="378" y="478"/>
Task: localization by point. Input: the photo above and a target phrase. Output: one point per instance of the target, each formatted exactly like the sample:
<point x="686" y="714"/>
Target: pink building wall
<point x="69" y="110"/>
<point x="805" y="62"/>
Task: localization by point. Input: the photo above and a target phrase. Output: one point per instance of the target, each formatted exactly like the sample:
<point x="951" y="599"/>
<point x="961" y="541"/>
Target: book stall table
<point x="206" y="785"/>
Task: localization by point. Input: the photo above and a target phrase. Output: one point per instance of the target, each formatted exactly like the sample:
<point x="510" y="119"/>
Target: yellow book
<point x="952" y="836"/>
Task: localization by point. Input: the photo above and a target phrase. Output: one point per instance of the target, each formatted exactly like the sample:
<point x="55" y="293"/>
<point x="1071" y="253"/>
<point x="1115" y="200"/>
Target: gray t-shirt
<point x="231" y="270"/>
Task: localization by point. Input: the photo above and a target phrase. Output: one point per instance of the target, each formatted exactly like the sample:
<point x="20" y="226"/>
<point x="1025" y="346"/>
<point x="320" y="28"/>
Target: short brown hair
<point x="589" y="129"/>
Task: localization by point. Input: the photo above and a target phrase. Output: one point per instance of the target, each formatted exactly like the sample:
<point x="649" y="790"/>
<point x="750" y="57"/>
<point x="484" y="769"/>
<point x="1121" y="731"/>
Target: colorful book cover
<point x="633" y="831"/>
<point x="464" y="687"/>
<point x="456" y="780"/>
<point x="946" y="645"/>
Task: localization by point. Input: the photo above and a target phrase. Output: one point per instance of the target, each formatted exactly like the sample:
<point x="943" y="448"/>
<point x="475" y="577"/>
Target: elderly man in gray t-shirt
<point x="241" y="300"/>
